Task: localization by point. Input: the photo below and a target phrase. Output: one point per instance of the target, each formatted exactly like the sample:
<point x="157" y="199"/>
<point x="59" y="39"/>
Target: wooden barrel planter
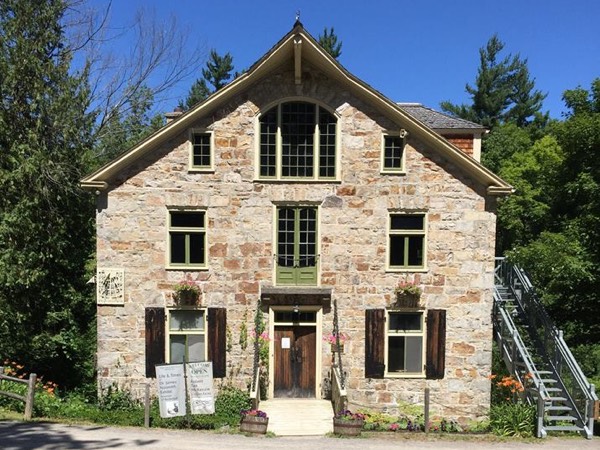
<point x="254" y="424"/>
<point x="343" y="427"/>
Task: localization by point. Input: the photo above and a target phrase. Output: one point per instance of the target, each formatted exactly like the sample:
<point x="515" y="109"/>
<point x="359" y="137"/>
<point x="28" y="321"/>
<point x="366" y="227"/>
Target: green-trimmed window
<point x="296" y="257"/>
<point x="297" y="140"/>
<point x="393" y="153"/>
<point x="202" y="151"/>
<point x="405" y="336"/>
<point x="187" y="238"/>
<point x="187" y="335"/>
<point x="406" y="245"/>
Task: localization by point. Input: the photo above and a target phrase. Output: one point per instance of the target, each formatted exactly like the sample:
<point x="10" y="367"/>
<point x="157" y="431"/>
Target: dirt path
<point x="50" y="436"/>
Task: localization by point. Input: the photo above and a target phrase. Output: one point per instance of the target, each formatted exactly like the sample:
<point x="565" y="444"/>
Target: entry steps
<point x="298" y="416"/>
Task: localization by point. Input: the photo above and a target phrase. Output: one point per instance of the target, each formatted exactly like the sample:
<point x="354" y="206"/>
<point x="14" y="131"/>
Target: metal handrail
<point x="550" y="341"/>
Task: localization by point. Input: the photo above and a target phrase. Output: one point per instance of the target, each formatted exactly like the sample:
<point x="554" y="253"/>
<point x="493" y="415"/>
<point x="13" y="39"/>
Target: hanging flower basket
<point x="337" y="348"/>
<point x="408" y="295"/>
<point x="186" y="293"/>
<point x="254" y="421"/>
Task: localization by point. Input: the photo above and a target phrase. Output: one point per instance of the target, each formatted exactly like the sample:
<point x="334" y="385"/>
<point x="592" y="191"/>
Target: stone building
<point x="299" y="187"/>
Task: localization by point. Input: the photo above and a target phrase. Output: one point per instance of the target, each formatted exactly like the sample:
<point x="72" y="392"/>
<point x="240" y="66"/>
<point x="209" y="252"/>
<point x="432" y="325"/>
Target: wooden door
<point x="295" y="361"/>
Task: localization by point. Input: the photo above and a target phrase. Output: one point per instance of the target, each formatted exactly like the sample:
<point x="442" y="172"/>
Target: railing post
<point x="513" y="352"/>
<point x="540" y="432"/>
<point x="426" y="410"/>
<point x="147" y="406"/>
<point x="30" y="396"/>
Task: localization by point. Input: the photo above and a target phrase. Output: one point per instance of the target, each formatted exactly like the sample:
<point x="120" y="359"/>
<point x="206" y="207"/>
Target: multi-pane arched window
<point x="297" y="140"/>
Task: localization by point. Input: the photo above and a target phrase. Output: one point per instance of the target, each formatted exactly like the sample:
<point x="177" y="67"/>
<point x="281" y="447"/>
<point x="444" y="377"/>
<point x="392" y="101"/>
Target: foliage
<point x="228" y="404"/>
<point x="253" y="413"/>
<point x="243" y="340"/>
<point x="503" y="90"/>
<point x="512" y="419"/>
<point x="216" y="73"/>
<point x="407" y="288"/>
<point x="260" y="338"/>
<point x="329" y="42"/>
<point x="46" y="224"/>
<point x="186" y="291"/>
<point x="347" y="415"/>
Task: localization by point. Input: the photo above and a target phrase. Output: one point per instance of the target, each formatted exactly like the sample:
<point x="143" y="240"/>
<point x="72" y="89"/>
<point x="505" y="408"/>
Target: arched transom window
<point x="297" y="140"/>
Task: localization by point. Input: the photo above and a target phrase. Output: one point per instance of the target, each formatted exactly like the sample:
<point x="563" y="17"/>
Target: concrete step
<point x="299" y="417"/>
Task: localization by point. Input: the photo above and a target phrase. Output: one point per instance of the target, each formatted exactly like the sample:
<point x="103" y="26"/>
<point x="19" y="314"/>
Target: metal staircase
<point x="536" y="354"/>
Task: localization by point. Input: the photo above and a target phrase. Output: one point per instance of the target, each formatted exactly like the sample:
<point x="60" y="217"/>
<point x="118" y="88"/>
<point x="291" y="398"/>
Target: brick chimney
<point x="171" y="116"/>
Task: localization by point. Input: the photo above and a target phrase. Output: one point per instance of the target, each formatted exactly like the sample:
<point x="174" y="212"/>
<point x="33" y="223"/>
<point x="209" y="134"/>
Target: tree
<point x="217" y="73"/>
<point x="46" y="310"/>
<point x="503" y="90"/>
<point x="329" y="42"/>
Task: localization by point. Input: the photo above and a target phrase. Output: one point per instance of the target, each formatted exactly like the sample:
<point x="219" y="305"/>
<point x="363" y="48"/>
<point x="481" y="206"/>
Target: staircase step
<point x="543" y="372"/>
<point x="558" y="408"/>
<point x="562" y="428"/>
<point x="566" y="418"/>
<point x="553" y="389"/>
<point x="557" y="399"/>
<point x="548" y="380"/>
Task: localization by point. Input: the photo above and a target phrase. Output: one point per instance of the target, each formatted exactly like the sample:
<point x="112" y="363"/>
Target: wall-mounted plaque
<point x="109" y="286"/>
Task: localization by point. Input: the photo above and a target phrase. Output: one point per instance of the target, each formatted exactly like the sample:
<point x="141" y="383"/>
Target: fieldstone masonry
<point x="353" y="213"/>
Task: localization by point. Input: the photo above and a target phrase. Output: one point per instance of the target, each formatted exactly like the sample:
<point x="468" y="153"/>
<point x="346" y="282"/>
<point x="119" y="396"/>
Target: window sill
<point x="171" y="267"/>
<point x="393" y="375"/>
<point x="201" y="170"/>
<point x="407" y="269"/>
<point x="298" y="180"/>
<point x="393" y="172"/>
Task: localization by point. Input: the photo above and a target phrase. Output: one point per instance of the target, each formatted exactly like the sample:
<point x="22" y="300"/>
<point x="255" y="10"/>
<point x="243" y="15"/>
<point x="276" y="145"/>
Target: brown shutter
<point x="374" y="343"/>
<point x="217" y="340"/>
<point x="436" y="343"/>
<point x="155" y="339"/>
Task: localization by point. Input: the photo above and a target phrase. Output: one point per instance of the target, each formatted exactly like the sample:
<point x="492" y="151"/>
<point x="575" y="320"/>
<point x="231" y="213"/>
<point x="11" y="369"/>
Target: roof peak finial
<point x="297" y="18"/>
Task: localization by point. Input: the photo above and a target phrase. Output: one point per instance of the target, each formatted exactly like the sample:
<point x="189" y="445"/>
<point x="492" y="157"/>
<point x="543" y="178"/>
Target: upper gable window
<point x="297" y="141"/>
<point x="187" y="239"/>
<point x="392" y="153"/>
<point x="201" y="154"/>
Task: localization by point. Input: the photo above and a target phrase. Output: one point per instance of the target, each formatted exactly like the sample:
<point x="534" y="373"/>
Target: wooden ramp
<point x="298" y="417"/>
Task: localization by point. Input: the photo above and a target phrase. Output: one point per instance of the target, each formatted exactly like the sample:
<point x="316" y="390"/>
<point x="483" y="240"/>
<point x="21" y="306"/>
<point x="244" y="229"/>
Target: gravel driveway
<point x="51" y="436"/>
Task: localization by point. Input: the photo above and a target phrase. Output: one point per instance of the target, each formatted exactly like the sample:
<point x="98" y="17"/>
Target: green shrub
<point x="512" y="419"/>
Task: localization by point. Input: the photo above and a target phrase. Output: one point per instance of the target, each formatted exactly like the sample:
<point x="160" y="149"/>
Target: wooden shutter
<point x="155" y="339"/>
<point x="217" y="340"/>
<point x="436" y="344"/>
<point x="374" y="343"/>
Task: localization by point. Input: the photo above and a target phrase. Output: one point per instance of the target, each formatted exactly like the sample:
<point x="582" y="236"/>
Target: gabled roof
<point x="438" y="120"/>
<point x="298" y="46"/>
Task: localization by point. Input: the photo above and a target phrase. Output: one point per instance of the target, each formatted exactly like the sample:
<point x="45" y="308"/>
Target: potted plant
<point x="347" y="423"/>
<point x="186" y="293"/>
<point x="336" y="341"/>
<point x="254" y="421"/>
<point x="408" y="294"/>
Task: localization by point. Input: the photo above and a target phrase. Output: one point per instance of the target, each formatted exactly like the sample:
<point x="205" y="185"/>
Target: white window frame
<point x="422" y="333"/>
<point x="394" y="170"/>
<point x="211" y="166"/>
<point x="169" y="332"/>
<point x="203" y="230"/>
<point x="279" y="140"/>
<point x="390" y="232"/>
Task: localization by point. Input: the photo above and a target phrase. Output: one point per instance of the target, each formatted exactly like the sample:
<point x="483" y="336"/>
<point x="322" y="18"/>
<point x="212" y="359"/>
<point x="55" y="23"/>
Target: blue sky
<point x="412" y="51"/>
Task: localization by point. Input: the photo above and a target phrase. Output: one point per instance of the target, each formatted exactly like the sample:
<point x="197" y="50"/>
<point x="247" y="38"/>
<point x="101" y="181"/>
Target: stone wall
<point x="132" y="233"/>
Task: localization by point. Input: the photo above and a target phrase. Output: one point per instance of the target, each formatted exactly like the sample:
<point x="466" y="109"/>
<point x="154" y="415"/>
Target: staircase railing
<point x="549" y="341"/>
<point x="519" y="361"/>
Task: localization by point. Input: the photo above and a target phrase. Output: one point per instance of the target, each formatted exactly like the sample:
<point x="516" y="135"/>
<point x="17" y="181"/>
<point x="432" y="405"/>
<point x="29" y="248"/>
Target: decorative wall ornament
<point x="110" y="286"/>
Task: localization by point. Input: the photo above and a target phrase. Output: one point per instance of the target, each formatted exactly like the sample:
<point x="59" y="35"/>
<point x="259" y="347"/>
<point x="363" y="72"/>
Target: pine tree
<point x="503" y="90"/>
<point x="329" y="41"/>
<point x="46" y="310"/>
<point x="217" y="73"/>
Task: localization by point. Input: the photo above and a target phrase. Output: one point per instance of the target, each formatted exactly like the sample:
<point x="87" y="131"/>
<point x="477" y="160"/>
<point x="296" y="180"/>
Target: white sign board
<point x="171" y="390"/>
<point x="285" y="342"/>
<point x="200" y="387"/>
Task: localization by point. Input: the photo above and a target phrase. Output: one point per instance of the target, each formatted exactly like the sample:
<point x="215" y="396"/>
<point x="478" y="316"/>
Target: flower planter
<point x="254" y="424"/>
<point x="337" y="349"/>
<point x="407" y="300"/>
<point x="186" y="298"/>
<point x="344" y="427"/>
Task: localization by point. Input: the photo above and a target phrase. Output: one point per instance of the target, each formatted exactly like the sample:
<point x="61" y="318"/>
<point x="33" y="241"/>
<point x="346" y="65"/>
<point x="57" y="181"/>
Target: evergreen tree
<point x="46" y="310"/>
<point x="503" y="90"/>
<point x="329" y="41"/>
<point x="217" y="73"/>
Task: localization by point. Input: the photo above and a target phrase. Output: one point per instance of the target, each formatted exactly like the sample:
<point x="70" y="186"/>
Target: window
<point x="187" y="335"/>
<point x="404" y="343"/>
<point x="406" y="245"/>
<point x="196" y="334"/>
<point x="297" y="140"/>
<point x="396" y="342"/>
<point x="393" y="152"/>
<point x="296" y="246"/>
<point x="187" y="238"/>
<point x="202" y="150"/>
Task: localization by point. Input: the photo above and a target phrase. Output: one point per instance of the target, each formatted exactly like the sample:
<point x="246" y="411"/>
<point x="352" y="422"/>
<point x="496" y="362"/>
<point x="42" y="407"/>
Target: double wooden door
<point x="295" y="361"/>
